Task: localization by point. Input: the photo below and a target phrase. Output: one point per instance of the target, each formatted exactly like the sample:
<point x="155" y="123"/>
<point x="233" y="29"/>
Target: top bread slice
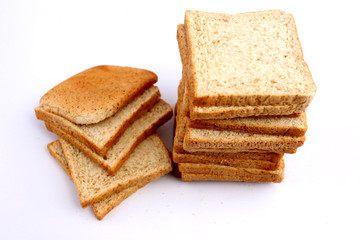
<point x="101" y="136"/>
<point x="247" y="59"/>
<point x="96" y="93"/>
<point x="222" y="112"/>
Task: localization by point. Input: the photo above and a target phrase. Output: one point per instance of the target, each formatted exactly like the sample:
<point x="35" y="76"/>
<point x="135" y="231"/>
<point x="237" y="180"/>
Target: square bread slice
<point x="149" y="161"/>
<point x="246" y="59"/>
<point x="103" y="207"/>
<point x="134" y="134"/>
<point x="222" y="112"/>
<point x="229" y="173"/>
<point x="101" y="136"/>
<point x="96" y="93"/>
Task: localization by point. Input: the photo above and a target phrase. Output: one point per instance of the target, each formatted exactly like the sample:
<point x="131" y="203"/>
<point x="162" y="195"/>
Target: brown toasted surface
<point x="101" y="136"/>
<point x="121" y="150"/>
<point x="97" y="93"/>
<point x="212" y="172"/>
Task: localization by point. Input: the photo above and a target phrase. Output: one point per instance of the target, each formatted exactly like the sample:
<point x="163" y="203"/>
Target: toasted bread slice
<point x="246" y="59"/>
<point x="101" y="136"/>
<point x="100" y="208"/>
<point x="149" y="161"/>
<point x="134" y="134"/>
<point x="96" y="93"/>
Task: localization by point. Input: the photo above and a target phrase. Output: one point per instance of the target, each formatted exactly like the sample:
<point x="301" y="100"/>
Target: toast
<point x="96" y="93"/>
<point x="101" y="136"/>
<point x="134" y="134"/>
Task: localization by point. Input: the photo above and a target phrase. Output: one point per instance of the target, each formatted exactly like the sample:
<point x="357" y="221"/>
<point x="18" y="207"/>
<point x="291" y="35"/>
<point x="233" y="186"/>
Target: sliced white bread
<point x="134" y="134"/>
<point x="101" y="136"/>
<point x="246" y="59"/>
<point x="96" y="93"/>
<point x="103" y="207"/>
<point x="149" y="161"/>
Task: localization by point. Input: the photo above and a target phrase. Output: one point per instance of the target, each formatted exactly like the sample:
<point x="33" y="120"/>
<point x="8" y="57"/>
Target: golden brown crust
<point x="62" y="162"/>
<point x="75" y="129"/>
<point x="96" y="93"/>
<point x="231" y="125"/>
<point x="247" y="111"/>
<point x="208" y="172"/>
<point x="246" y="143"/>
<point x="190" y="177"/>
<point x="231" y="162"/>
<point x="111" y="169"/>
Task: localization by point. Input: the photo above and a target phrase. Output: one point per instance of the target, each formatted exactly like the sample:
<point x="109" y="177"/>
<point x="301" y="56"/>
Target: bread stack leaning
<point x="105" y="118"/>
<point x="242" y="98"/>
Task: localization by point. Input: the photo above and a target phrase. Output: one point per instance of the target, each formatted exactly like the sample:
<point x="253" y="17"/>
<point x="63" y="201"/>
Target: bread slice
<point x="180" y="130"/>
<point x="222" y="112"/>
<point x="149" y="161"/>
<point x="213" y="140"/>
<point x="246" y="59"/>
<point x="229" y="173"/>
<point x="295" y="126"/>
<point x="134" y="134"/>
<point x="101" y="136"/>
<point x="210" y="160"/>
<point x="96" y="93"/>
<point x="103" y="207"/>
<point x="292" y="125"/>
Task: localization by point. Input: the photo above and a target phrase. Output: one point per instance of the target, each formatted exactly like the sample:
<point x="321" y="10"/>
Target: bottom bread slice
<point x="149" y="161"/>
<point x="204" y="172"/>
<point x="100" y="208"/>
<point x="182" y="158"/>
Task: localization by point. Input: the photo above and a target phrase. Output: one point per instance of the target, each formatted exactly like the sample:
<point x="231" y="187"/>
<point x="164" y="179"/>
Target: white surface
<point x="45" y="42"/>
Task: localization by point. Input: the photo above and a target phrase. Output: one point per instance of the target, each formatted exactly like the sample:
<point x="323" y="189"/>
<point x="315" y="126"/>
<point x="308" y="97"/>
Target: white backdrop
<point x="44" y="42"/>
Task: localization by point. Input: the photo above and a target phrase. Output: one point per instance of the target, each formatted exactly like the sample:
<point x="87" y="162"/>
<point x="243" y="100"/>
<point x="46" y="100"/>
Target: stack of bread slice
<point x="242" y="98"/>
<point x="105" y="118"/>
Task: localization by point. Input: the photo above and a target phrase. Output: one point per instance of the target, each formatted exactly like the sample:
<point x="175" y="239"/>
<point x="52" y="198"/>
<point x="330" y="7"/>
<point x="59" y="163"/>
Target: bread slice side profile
<point x="97" y="93"/>
<point x="229" y="173"/>
<point x="295" y="125"/>
<point x="181" y="158"/>
<point x="103" y="207"/>
<point x="246" y="59"/>
<point x="101" y="136"/>
<point x="213" y="140"/>
<point x="149" y="161"/>
<point x="134" y="134"/>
